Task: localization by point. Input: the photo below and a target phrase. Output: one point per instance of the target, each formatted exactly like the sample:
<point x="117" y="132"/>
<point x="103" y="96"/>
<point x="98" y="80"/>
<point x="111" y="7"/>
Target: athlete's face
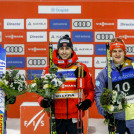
<point x="65" y="52"/>
<point x="118" y="56"/>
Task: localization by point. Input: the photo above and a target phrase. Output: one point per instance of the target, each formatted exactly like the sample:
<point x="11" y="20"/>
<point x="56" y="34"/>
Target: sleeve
<point x="88" y="88"/>
<point x="100" y="84"/>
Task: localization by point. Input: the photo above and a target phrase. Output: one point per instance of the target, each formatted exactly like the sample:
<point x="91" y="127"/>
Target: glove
<point x="111" y="121"/>
<point x="9" y="100"/>
<point x="84" y="105"/>
<point x="45" y="103"/>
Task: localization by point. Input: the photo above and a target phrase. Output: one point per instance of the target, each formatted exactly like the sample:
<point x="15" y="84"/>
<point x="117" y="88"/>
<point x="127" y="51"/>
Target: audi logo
<point x="14" y="49"/>
<point x="82" y="24"/>
<point x="104" y="36"/>
<point x="130" y="49"/>
<point x="36" y="61"/>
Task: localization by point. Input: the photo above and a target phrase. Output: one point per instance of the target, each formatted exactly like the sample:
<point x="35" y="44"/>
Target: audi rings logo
<point x="82" y="24"/>
<point x="104" y="36"/>
<point x="101" y="37"/>
<point x="130" y="49"/>
<point x="36" y="61"/>
<point x="14" y="49"/>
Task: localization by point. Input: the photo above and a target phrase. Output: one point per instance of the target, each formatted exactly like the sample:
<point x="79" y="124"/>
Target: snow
<point x="96" y="126"/>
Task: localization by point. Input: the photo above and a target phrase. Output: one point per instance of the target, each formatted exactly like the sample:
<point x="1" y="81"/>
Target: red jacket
<point x="66" y="98"/>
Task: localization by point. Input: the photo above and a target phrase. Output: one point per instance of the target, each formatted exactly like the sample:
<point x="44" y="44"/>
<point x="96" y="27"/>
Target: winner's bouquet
<point x="113" y="101"/>
<point x="13" y="84"/>
<point x="47" y="85"/>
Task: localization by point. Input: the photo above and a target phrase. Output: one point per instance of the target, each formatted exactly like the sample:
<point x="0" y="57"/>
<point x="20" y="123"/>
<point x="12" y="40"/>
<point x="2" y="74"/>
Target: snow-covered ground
<point x="96" y="126"/>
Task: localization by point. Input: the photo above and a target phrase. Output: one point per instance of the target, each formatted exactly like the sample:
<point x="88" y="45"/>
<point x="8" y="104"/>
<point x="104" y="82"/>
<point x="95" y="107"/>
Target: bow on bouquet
<point x="48" y="84"/>
<point x="113" y="101"/>
<point x="13" y="84"/>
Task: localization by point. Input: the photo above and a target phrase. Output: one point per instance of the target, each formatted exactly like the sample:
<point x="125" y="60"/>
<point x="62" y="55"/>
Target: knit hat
<point x="117" y="43"/>
<point x="65" y="41"/>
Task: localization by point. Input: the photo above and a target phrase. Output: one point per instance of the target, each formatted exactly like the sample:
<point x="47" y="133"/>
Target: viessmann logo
<point x="12" y="36"/>
<point x="105" y="24"/>
<point x="126" y="36"/>
<point x="33" y="121"/>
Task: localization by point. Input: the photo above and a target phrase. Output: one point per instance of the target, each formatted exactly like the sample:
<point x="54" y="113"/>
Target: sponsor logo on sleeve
<point x="36" y="23"/>
<point x="36" y="36"/>
<point x="83" y="49"/>
<point x="86" y="60"/>
<point x="81" y="23"/>
<point x="55" y="36"/>
<point x="59" y="24"/>
<point x="82" y="36"/>
<point x="13" y="23"/>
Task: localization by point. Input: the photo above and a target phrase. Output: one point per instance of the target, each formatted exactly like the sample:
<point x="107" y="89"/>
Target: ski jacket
<point x="66" y="98"/>
<point x="122" y="81"/>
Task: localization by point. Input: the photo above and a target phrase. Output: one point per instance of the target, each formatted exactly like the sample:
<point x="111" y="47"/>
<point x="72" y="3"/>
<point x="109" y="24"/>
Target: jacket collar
<point x="64" y="63"/>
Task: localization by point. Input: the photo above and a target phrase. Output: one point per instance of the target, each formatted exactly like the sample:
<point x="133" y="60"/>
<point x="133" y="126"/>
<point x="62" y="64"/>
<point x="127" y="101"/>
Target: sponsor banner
<point x="86" y="60"/>
<point x="37" y="49"/>
<point x="82" y="24"/>
<point x="18" y="62"/>
<point x="129" y="49"/>
<point x="97" y="72"/>
<point x="36" y="36"/>
<point x="125" y="24"/>
<point x="104" y="24"/>
<point x="59" y="9"/>
<point x="82" y="36"/>
<point x="13" y="23"/>
<point x="14" y="36"/>
<point x="31" y="74"/>
<point x="100" y="49"/>
<point x="55" y="36"/>
<point x="100" y="62"/>
<point x="36" y="23"/>
<point x="14" y="49"/>
<point x="104" y="36"/>
<point x="83" y="49"/>
<point x="36" y="62"/>
<point x="0" y="36"/>
<point x="59" y="24"/>
<point x="127" y="36"/>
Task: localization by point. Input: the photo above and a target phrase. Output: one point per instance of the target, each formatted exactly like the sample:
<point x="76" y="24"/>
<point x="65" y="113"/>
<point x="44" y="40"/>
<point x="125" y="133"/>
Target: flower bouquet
<point x="48" y="84"/>
<point x="113" y="101"/>
<point x="13" y="84"/>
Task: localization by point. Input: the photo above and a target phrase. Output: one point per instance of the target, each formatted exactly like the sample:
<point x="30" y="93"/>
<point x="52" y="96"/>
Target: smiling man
<point x="122" y="80"/>
<point x="66" y="98"/>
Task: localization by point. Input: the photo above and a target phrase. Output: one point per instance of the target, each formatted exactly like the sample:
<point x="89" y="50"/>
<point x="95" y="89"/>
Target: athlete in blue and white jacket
<point x="122" y="80"/>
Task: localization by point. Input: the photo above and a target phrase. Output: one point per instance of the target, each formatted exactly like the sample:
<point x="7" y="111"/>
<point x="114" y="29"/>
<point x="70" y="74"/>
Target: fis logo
<point x="33" y="122"/>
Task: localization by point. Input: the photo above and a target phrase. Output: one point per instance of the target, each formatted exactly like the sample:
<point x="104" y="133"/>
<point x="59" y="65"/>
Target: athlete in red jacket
<point x="66" y="98"/>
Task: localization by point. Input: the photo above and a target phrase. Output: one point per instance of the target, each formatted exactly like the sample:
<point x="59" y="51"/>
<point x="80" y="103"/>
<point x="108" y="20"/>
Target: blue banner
<point x="100" y="49"/>
<point x="59" y="24"/>
<point x="18" y="62"/>
<point x="82" y="36"/>
<point x="31" y="74"/>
